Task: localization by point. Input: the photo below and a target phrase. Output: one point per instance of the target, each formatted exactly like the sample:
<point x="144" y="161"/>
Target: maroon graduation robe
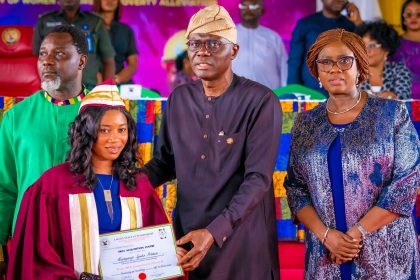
<point x="222" y="151"/>
<point x="42" y="245"/>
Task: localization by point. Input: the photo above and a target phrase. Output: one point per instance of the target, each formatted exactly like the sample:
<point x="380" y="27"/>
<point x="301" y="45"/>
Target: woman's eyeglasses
<point x="344" y="63"/>
<point x="410" y="14"/>
<point x="252" y="7"/>
<point x="211" y="45"/>
<point x="372" y="46"/>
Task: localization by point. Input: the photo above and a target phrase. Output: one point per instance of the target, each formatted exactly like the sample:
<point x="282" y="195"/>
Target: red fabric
<point x="19" y="76"/>
<point x="415" y="110"/>
<point x="291" y="274"/>
<point x="18" y="66"/>
<point x="9" y="246"/>
<point x="292" y="260"/>
<point x="42" y="243"/>
<point x="150" y="112"/>
<point x="17" y="46"/>
<point x="33" y="256"/>
<point x="278" y="208"/>
<point x="108" y="81"/>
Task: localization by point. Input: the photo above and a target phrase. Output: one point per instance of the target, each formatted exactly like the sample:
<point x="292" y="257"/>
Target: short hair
<point x="77" y="36"/>
<point x="382" y="33"/>
<point x="97" y="8"/>
<point x="351" y="40"/>
<point x="404" y="6"/>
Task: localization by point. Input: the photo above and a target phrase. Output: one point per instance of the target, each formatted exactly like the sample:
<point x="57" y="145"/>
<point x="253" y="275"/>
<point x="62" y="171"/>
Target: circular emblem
<point x="10" y="36"/>
<point x="142" y="276"/>
<point x="105" y="242"/>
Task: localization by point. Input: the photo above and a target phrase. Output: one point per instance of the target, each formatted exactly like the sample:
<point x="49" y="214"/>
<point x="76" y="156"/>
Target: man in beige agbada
<point x="219" y="137"/>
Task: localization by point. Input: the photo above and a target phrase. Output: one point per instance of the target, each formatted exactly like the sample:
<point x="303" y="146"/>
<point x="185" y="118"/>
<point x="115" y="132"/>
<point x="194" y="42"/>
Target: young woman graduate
<point x="97" y="190"/>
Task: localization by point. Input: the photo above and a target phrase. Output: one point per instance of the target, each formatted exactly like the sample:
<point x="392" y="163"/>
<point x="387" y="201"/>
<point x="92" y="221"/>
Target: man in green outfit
<point x="100" y="47"/>
<point x="33" y="133"/>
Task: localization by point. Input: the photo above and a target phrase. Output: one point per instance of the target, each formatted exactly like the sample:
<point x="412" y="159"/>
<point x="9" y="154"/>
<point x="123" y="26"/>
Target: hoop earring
<point x="320" y="84"/>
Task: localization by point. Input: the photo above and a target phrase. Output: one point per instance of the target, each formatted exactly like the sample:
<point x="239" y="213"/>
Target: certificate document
<point x="144" y="254"/>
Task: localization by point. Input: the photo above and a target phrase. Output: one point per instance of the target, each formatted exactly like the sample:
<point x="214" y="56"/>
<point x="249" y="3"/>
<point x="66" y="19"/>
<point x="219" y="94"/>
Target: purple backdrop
<point x="153" y="25"/>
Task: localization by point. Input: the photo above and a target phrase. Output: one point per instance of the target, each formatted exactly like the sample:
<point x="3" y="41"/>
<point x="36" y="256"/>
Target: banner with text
<point x="158" y="25"/>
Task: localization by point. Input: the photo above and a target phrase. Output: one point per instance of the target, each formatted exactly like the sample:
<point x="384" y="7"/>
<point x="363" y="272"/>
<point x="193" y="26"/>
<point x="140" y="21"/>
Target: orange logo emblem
<point x="10" y="36"/>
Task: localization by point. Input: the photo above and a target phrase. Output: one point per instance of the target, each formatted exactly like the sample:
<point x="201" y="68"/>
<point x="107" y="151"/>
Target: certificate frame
<point x="138" y="252"/>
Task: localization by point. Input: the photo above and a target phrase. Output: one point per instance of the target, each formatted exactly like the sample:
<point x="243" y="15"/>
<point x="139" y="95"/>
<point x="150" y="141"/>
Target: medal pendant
<point x="107" y="195"/>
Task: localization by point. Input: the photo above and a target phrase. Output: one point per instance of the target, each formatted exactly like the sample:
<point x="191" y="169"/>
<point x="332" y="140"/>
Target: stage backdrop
<point x="155" y="21"/>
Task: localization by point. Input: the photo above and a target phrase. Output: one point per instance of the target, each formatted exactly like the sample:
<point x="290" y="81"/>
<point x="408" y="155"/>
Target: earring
<point x="320" y="84"/>
<point x="357" y="80"/>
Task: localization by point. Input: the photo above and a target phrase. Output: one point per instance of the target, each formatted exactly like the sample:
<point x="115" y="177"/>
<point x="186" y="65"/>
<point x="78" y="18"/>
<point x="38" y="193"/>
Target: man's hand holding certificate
<point x="145" y="253"/>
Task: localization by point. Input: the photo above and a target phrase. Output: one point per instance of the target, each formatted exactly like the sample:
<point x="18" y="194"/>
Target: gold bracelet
<point x="325" y="236"/>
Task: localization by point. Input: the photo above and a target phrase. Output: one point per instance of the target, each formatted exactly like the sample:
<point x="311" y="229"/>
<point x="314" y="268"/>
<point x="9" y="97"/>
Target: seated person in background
<point x="93" y="26"/>
<point x="262" y="56"/>
<point x="409" y="50"/>
<point x="122" y="38"/>
<point x="386" y="79"/>
<point x="306" y="32"/>
<point x="184" y="73"/>
<point x="101" y="173"/>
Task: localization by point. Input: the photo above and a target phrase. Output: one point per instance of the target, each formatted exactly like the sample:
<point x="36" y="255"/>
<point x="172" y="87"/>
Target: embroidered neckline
<point x="341" y="127"/>
<point x="70" y="101"/>
<point x="340" y="130"/>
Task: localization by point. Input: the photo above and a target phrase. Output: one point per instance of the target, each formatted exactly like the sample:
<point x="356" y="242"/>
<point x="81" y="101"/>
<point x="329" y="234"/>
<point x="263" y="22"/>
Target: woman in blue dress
<point x="353" y="172"/>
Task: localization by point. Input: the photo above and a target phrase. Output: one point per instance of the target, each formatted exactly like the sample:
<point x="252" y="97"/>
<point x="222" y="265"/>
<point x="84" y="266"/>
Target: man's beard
<point x="51" y="85"/>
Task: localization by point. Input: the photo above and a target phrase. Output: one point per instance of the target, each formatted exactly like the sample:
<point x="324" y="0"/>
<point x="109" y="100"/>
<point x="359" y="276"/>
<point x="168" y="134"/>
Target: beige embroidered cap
<point x="214" y="20"/>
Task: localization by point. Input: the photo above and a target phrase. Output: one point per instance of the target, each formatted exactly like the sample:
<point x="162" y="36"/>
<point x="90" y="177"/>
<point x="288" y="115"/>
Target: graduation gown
<point x="57" y="233"/>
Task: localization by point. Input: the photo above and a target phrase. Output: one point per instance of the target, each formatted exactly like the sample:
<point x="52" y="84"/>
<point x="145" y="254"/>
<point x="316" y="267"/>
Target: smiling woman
<point x="89" y="193"/>
<point x="358" y="213"/>
<point x="111" y="140"/>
